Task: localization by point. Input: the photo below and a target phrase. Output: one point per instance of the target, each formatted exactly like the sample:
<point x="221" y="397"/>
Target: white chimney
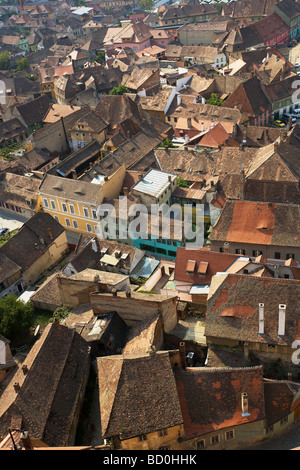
<point x="281" y="320"/>
<point x="244" y="399"/>
<point x="261" y="321"/>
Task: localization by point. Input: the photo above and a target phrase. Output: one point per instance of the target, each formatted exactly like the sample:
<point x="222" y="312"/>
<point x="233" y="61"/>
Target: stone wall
<point x="137" y="307"/>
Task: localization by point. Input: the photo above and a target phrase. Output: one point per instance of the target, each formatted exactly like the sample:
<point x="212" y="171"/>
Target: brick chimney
<point x="182" y="352"/>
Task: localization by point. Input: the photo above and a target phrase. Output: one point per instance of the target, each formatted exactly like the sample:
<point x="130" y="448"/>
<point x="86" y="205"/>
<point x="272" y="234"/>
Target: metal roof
<point x="154" y="183"/>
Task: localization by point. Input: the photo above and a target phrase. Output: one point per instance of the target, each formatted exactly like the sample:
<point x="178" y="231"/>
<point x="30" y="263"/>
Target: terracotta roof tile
<point x="233" y="305"/>
<point x="137" y="394"/>
<point x="259" y="223"/>
<point x="198" y="266"/>
<point x="220" y="404"/>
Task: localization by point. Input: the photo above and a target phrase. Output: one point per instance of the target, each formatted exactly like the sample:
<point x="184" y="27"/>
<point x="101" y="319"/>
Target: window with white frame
<point x="72" y="210"/>
<point x="89" y="227"/>
<point x="200" y="444"/>
<point x="75" y="224"/>
<point x="53" y="205"/>
<point x="215" y="440"/>
<point x="45" y="202"/>
<point x="229" y="435"/>
<point x="86" y="212"/>
<point x="94" y="213"/>
<point x="68" y="223"/>
<point x="64" y="207"/>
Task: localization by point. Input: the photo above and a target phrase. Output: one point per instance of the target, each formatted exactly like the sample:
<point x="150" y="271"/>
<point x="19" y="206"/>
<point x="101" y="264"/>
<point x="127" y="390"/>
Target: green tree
<point x="119" y="90"/>
<point x="4" y="60"/>
<point x="181" y="182"/>
<point x="100" y="57"/>
<point x="31" y="77"/>
<point x="147" y="5"/>
<point x="60" y="313"/>
<point x="22" y="64"/>
<point x="167" y="143"/>
<point x="215" y="100"/>
<point x="15" y="316"/>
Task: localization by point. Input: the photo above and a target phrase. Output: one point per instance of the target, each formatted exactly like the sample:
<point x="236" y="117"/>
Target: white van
<point x="296" y="113"/>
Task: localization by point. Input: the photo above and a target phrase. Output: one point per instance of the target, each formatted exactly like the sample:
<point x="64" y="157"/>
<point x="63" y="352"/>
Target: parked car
<point x="279" y="123"/>
<point x="296" y="113"/>
<point x="3" y="231"/>
<point x="285" y="117"/>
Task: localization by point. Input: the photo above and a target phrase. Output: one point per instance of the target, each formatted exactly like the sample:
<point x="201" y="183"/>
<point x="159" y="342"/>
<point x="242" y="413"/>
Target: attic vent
<point x="80" y="191"/>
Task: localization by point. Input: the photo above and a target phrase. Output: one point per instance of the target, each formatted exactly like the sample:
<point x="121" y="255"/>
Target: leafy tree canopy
<point x="181" y="182"/>
<point x="4" y="60"/>
<point x="147" y="5"/>
<point x="22" y="64"/>
<point x="15" y="316"/>
<point x="119" y="90"/>
<point x="215" y="100"/>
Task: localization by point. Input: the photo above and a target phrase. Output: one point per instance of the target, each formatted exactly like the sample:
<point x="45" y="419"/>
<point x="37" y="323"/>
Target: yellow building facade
<point x="73" y="203"/>
<point x="90" y="127"/>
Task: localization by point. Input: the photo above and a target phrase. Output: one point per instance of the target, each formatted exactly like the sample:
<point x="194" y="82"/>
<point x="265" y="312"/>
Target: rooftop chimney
<point x="261" y="319"/>
<point x="182" y="353"/>
<point x="244" y="399"/>
<point x="16" y="386"/>
<point x="26" y="441"/>
<point x="281" y="319"/>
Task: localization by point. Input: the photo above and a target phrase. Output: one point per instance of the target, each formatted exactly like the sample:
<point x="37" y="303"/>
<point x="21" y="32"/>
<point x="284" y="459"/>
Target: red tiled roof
<point x="258" y="223"/>
<point x="198" y="266"/>
<point x="220" y="404"/>
<point x="215" y="136"/>
<point x="270" y="27"/>
<point x="233" y="308"/>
